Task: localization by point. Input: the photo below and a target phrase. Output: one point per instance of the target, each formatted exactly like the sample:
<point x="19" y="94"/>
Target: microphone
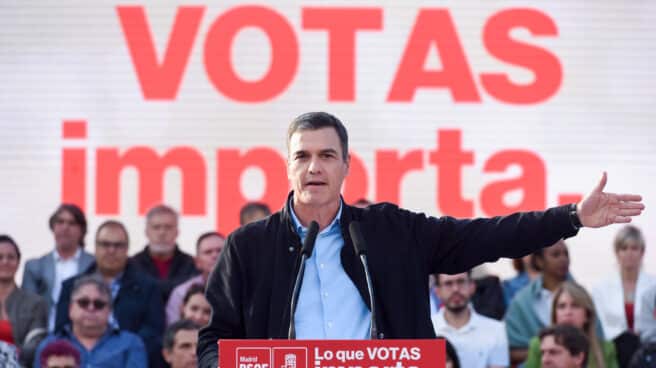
<point x="360" y="246"/>
<point x="306" y="252"/>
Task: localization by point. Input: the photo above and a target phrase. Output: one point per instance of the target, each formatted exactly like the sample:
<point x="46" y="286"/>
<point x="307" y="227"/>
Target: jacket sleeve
<point x="456" y="245"/>
<point x="37" y="330"/>
<point x="136" y="354"/>
<point x="151" y="329"/>
<point x="223" y="293"/>
<point x="29" y="279"/>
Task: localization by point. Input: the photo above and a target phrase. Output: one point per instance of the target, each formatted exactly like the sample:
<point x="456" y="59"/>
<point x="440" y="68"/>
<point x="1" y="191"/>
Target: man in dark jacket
<point x="250" y="288"/>
<point x="162" y="258"/>
<point x="137" y="302"/>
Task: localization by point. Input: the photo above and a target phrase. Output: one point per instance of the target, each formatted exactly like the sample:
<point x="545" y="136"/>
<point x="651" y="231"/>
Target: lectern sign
<point x="332" y="353"/>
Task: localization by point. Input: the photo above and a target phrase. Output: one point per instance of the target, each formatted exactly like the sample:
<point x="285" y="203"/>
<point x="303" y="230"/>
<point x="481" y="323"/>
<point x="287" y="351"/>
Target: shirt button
<point x="325" y="295"/>
<point x="322" y="265"/>
<point x="330" y="325"/>
<point x="291" y="249"/>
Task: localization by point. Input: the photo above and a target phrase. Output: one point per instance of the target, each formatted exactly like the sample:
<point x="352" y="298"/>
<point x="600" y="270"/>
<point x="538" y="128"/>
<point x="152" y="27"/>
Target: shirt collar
<point x="470" y="325"/>
<point x="302" y="230"/>
<point x="76" y="256"/>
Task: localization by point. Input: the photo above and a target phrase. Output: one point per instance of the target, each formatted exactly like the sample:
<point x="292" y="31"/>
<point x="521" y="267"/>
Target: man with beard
<point x="479" y="341"/>
<point x="162" y="258"/>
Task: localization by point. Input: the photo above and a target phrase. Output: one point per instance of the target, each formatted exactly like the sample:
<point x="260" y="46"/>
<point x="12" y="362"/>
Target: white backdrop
<point x="72" y="61"/>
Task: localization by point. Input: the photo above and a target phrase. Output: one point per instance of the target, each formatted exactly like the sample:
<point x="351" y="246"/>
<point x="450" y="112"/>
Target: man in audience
<point x="45" y="275"/>
<point x="60" y="354"/>
<point x="100" y="343"/>
<point x="162" y="258"/>
<point x="479" y="341"/>
<point x="563" y="346"/>
<point x="180" y="341"/>
<point x="208" y="248"/>
<point x="137" y="302"/>
<point x="253" y="211"/>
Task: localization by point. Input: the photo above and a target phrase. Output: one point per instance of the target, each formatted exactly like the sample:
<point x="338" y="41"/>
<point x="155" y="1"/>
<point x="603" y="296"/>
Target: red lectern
<point x="428" y="353"/>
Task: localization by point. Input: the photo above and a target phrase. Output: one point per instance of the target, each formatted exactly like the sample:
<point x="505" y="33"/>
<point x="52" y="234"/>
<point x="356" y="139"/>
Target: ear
<point x="472" y="287"/>
<point x="578" y="358"/>
<point x="166" y="353"/>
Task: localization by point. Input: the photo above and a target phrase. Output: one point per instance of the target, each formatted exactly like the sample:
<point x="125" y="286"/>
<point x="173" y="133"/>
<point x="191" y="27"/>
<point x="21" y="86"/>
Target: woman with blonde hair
<point x="573" y="305"/>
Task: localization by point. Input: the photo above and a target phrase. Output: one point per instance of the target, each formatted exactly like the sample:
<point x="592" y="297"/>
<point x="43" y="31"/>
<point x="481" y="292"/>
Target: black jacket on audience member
<point x="182" y="269"/>
<point x="138" y="308"/>
<point x="250" y="287"/>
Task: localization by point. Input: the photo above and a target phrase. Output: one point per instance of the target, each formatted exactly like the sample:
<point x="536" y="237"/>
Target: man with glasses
<point x="138" y="306"/>
<point x="479" y="341"/>
<point x="100" y="343"/>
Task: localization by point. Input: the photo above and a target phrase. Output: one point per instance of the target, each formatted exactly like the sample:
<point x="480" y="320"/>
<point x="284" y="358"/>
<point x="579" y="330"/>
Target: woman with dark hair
<point x="195" y="306"/>
<point x="23" y="315"/>
<point x="452" y="360"/>
<point x="526" y="272"/>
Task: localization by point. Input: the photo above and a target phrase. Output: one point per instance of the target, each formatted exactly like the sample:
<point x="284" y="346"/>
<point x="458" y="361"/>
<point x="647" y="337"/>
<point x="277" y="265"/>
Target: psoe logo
<point x="253" y="358"/>
<point x="290" y="358"/>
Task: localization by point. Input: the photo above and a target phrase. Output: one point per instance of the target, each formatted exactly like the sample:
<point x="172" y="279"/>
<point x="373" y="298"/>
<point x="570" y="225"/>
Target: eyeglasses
<point x="97" y="304"/>
<point x="108" y="244"/>
<point x="62" y="366"/>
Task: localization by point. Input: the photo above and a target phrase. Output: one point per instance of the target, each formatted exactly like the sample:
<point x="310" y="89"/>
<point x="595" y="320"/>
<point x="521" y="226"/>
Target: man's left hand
<point x="600" y="208"/>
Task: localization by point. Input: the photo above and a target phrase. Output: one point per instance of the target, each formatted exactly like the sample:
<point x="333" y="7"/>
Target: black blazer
<point x="250" y="287"/>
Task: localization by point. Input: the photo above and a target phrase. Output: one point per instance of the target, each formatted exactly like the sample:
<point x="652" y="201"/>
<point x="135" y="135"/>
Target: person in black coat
<point x="138" y="305"/>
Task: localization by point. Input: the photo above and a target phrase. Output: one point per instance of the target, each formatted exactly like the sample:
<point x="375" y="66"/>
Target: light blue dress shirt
<point x="329" y="305"/>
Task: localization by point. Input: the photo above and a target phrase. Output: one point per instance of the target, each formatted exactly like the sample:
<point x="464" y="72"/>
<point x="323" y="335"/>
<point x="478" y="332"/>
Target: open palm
<point x="600" y="208"/>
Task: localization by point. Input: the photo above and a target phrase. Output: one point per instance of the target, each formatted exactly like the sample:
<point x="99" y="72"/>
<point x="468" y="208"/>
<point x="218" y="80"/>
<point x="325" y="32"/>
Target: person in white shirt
<point x="480" y="341"/>
<point x="618" y="297"/>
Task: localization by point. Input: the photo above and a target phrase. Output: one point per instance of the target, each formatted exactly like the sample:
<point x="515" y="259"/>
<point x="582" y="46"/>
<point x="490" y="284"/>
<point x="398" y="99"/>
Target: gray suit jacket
<point x="39" y="274"/>
<point x="28" y="314"/>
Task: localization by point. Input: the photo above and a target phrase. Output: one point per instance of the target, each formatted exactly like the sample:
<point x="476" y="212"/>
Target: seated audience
<point x="44" y="275"/>
<point x="23" y="315"/>
<point x="60" y="354"/>
<point x="100" y="343"/>
<point x="162" y="259"/>
<point x="526" y="273"/>
<point x="563" y="346"/>
<point x="137" y="303"/>
<point x="208" y="249"/>
<point x="253" y="211"/>
<point x="195" y="306"/>
<point x="180" y="341"/>
<point x="479" y="341"/>
<point x="530" y="309"/>
<point x="618" y="297"/>
<point x="573" y="306"/>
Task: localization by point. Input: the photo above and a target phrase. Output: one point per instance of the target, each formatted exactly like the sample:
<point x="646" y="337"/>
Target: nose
<point x="314" y="166"/>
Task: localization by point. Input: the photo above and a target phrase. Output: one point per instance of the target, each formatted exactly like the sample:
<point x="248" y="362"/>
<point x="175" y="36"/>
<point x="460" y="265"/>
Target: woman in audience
<point x="573" y="306"/>
<point x="618" y="298"/>
<point x="452" y="360"/>
<point x="23" y="315"/>
<point x="195" y="307"/>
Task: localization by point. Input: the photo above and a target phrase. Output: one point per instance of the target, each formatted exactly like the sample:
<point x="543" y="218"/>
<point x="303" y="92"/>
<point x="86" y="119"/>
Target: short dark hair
<point x="206" y="235"/>
<point x="318" y="120"/>
<point x="114" y="224"/>
<point x="96" y="281"/>
<point x="8" y="239"/>
<point x="78" y="216"/>
<point x="160" y="209"/>
<point x="569" y="337"/>
<point x="169" y="335"/>
<point x="451" y="353"/>
<point x="250" y="208"/>
<point x="437" y="276"/>
<point x="193" y="290"/>
<point x="59" y="347"/>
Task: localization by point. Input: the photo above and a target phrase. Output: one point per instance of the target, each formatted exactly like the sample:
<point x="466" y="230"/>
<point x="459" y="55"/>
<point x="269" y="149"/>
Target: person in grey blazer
<point x="24" y="312"/>
<point x="44" y="275"/>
